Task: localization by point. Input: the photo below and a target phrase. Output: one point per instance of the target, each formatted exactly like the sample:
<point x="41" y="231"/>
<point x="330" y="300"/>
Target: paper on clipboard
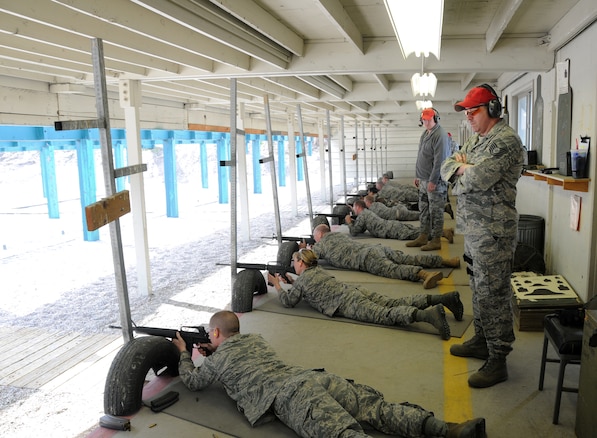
<point x="562" y="75"/>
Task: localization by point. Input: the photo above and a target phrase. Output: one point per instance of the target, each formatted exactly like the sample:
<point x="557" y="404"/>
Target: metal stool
<point x="567" y="342"/>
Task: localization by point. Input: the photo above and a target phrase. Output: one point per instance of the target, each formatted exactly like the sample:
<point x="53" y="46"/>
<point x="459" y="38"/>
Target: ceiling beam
<point x="212" y="22"/>
<point x="262" y="21"/>
<point x="337" y="15"/>
<point x="512" y="54"/>
<point x="580" y="16"/>
<point x="500" y="21"/>
<point x="134" y="18"/>
<point x="72" y="24"/>
<point x="383" y="81"/>
<point x="324" y="84"/>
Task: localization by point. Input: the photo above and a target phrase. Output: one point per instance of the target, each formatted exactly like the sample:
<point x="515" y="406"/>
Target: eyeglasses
<point x="472" y="111"/>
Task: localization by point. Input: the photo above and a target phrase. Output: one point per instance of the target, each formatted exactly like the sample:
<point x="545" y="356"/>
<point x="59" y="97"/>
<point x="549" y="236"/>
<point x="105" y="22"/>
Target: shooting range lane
<point x="406" y="366"/>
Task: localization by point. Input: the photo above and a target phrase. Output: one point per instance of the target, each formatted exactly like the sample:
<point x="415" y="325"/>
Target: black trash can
<point x="531" y="230"/>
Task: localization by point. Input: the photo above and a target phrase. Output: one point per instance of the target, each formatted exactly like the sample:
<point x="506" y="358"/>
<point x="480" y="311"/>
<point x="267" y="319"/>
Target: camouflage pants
<point x="431" y="209"/>
<point x="492" y="292"/>
<point x="387" y="262"/>
<point x="320" y="404"/>
<point x="404" y="214"/>
<point x="401" y="231"/>
<point x="369" y="306"/>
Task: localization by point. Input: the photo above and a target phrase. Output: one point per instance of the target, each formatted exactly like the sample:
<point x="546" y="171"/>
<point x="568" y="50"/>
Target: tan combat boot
<point x="419" y="241"/>
<point x="433" y="244"/>
<point x="451" y="263"/>
<point x="448" y="233"/>
<point x="430" y="279"/>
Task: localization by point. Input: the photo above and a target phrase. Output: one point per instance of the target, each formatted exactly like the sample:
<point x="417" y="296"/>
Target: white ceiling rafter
<point x="334" y="55"/>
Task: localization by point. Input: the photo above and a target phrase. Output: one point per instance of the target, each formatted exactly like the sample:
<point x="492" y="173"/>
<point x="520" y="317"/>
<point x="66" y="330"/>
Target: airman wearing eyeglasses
<point x="483" y="175"/>
<point x="434" y="148"/>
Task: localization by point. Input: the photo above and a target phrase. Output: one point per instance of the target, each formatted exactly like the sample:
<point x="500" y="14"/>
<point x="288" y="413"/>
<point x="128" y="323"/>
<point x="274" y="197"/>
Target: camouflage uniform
<point x="486" y="215"/>
<point x="398" y="212"/>
<point x="333" y="298"/>
<point x="382" y="228"/>
<point x="399" y="193"/>
<point x="434" y="147"/>
<point x="343" y="252"/>
<point x="312" y="403"/>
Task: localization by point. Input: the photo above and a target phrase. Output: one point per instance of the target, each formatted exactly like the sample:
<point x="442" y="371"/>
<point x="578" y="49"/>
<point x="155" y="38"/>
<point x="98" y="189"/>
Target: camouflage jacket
<point x="318" y="288"/>
<point x="487" y="190"/>
<point x="382" y="228"/>
<point x="434" y="148"/>
<point x="248" y="368"/>
<point x="385" y="212"/>
<point x="341" y="251"/>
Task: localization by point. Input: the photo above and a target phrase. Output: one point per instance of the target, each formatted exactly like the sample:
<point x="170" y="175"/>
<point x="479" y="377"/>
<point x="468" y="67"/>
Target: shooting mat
<point x="271" y="303"/>
<point x="211" y="408"/>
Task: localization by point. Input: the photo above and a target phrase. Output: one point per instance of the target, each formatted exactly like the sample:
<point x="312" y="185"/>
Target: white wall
<point x="568" y="252"/>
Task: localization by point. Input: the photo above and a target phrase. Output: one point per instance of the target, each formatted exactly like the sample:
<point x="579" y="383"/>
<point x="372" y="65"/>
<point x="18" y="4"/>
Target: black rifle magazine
<point x="162" y="402"/>
<point x="115" y="423"/>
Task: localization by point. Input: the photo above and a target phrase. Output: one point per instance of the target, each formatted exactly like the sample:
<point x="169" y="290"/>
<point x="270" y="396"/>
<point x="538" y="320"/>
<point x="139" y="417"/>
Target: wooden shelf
<point x="555" y="179"/>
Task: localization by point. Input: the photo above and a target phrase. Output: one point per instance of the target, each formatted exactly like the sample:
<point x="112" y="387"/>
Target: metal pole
<point x="272" y="167"/>
<point x="356" y="152"/>
<point x="101" y="101"/>
<point x="343" y="154"/>
<point x="304" y="155"/>
<point x="233" y="201"/>
<point x="330" y="158"/>
<point x="364" y="154"/>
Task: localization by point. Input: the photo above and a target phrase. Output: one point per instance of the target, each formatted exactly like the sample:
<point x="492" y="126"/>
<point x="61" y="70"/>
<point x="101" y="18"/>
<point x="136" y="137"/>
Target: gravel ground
<point x="52" y="279"/>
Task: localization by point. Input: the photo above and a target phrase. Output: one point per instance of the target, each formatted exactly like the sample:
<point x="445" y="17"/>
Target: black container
<point x="531" y="230"/>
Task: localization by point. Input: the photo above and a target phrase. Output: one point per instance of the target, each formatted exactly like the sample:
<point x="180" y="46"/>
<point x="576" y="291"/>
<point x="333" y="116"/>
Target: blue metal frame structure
<point x="46" y="140"/>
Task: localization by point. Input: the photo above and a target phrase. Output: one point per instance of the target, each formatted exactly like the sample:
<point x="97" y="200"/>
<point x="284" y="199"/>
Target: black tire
<point x="248" y="282"/>
<point x="340" y="209"/>
<point x="390" y="174"/>
<point x="318" y="220"/>
<point x="124" y="384"/>
<point x="285" y="251"/>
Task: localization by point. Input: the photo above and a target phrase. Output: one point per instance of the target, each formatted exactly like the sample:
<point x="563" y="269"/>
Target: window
<point x="524" y="118"/>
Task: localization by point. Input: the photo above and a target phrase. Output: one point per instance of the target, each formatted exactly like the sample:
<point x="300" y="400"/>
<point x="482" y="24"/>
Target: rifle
<point x="308" y="240"/>
<point x="271" y="268"/>
<point x="198" y="335"/>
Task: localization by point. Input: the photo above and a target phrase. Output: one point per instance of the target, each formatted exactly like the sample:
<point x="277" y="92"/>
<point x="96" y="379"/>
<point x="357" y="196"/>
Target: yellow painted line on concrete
<point x="458" y="405"/>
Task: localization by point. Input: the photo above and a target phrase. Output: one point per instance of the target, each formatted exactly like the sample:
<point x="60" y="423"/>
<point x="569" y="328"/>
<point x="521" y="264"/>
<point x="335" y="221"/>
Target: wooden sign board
<point x="107" y="210"/>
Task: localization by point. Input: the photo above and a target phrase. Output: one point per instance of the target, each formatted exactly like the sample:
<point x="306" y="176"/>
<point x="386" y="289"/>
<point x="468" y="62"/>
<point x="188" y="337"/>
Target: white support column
<point x="292" y="164"/>
<point x="130" y="101"/>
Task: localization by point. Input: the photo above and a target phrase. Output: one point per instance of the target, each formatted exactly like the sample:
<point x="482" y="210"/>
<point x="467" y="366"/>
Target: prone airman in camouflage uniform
<point x="312" y="403"/>
<point x="399" y="212"/>
<point x="332" y="298"/>
<point x="385" y="229"/>
<point x="394" y="194"/>
<point x="483" y="175"/>
<point x="343" y="252"/>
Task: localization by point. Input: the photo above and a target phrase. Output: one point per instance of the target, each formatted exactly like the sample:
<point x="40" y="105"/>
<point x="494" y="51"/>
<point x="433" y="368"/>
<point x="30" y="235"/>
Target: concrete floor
<point x="408" y="366"/>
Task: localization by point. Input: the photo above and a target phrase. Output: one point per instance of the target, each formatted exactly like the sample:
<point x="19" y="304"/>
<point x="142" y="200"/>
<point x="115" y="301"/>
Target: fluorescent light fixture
<point x="423" y="84"/>
<point x="422" y="104"/>
<point x="418" y="25"/>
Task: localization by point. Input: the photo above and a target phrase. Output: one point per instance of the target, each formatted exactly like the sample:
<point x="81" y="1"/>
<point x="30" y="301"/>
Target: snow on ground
<point x="52" y="278"/>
